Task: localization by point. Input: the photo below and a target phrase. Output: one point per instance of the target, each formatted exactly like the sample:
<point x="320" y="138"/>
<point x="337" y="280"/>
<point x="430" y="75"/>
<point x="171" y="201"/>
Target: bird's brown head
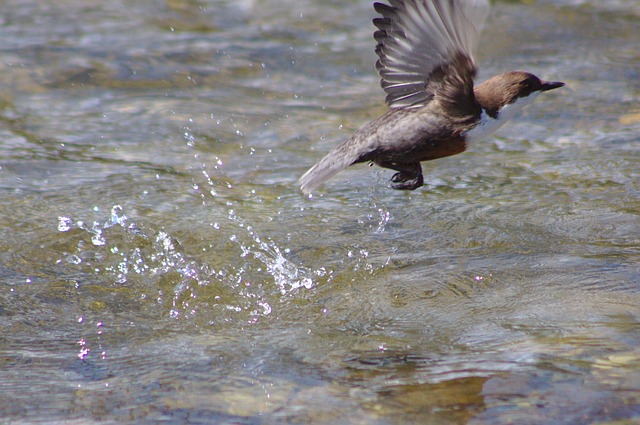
<point x="507" y="88"/>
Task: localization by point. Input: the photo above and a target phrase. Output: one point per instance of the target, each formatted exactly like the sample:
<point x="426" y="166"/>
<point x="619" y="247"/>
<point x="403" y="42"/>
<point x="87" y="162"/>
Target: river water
<point x="158" y="263"/>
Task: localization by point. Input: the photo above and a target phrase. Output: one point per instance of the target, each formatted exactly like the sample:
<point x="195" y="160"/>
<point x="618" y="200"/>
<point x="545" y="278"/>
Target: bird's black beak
<point x="550" y="85"/>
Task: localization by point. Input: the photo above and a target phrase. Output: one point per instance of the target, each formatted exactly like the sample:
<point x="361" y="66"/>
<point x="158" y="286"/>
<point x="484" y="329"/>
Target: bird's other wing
<point x="420" y="41"/>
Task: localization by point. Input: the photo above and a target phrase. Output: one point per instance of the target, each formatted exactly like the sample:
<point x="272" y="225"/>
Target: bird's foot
<point x="402" y="181"/>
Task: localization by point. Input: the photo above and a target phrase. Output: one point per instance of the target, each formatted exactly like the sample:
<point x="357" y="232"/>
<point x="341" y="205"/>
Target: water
<point x="158" y="264"/>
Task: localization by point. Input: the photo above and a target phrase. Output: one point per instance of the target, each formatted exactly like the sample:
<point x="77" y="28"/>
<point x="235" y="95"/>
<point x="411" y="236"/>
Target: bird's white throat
<point x="489" y="125"/>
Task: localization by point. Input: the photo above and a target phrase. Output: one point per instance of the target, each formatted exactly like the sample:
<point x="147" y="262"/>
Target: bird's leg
<point x="408" y="177"/>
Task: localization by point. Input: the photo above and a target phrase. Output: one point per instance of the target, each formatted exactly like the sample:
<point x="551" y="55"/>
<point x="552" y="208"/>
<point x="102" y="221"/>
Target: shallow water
<point x="158" y="263"/>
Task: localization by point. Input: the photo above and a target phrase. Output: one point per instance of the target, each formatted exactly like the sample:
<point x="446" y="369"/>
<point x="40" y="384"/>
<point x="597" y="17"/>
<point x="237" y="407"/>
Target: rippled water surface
<point x="158" y="263"/>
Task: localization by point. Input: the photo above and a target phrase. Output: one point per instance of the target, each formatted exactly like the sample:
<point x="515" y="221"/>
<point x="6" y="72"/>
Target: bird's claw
<point x="401" y="181"/>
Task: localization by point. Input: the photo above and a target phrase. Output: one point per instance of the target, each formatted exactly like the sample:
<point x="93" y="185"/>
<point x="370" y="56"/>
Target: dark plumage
<point x="425" y="50"/>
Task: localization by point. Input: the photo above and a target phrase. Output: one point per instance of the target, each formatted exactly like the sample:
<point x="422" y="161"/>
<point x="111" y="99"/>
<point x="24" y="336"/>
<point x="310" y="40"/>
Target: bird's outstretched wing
<point x="425" y="44"/>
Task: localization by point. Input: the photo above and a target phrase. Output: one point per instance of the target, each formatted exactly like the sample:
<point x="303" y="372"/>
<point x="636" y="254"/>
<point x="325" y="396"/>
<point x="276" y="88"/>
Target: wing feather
<point x="418" y="42"/>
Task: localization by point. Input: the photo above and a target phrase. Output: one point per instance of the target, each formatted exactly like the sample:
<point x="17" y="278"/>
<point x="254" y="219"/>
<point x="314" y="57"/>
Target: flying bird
<point x="427" y="68"/>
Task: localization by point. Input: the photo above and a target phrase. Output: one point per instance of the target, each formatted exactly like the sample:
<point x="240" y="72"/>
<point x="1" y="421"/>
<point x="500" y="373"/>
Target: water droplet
<point x="64" y="224"/>
<point x="266" y="308"/>
<point x="98" y="239"/>
<point x="74" y="259"/>
<point x="117" y="216"/>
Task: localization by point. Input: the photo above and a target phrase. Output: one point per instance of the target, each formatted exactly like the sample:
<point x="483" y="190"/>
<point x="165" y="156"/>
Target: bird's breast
<point x="489" y="125"/>
<point x="486" y="126"/>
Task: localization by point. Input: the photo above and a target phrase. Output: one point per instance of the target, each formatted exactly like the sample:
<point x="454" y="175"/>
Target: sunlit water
<point x="158" y="263"/>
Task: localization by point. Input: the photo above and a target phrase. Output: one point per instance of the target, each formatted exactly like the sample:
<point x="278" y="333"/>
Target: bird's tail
<point x="335" y="161"/>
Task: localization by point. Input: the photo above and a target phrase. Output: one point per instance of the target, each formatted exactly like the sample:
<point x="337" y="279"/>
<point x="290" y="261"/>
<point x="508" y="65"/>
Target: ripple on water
<point x="504" y="291"/>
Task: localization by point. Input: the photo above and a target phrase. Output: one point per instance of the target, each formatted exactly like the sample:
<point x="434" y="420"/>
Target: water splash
<point x="287" y="275"/>
<point x="154" y="260"/>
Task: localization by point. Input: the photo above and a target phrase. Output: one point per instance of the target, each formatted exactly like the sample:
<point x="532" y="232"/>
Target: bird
<point x="426" y="64"/>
